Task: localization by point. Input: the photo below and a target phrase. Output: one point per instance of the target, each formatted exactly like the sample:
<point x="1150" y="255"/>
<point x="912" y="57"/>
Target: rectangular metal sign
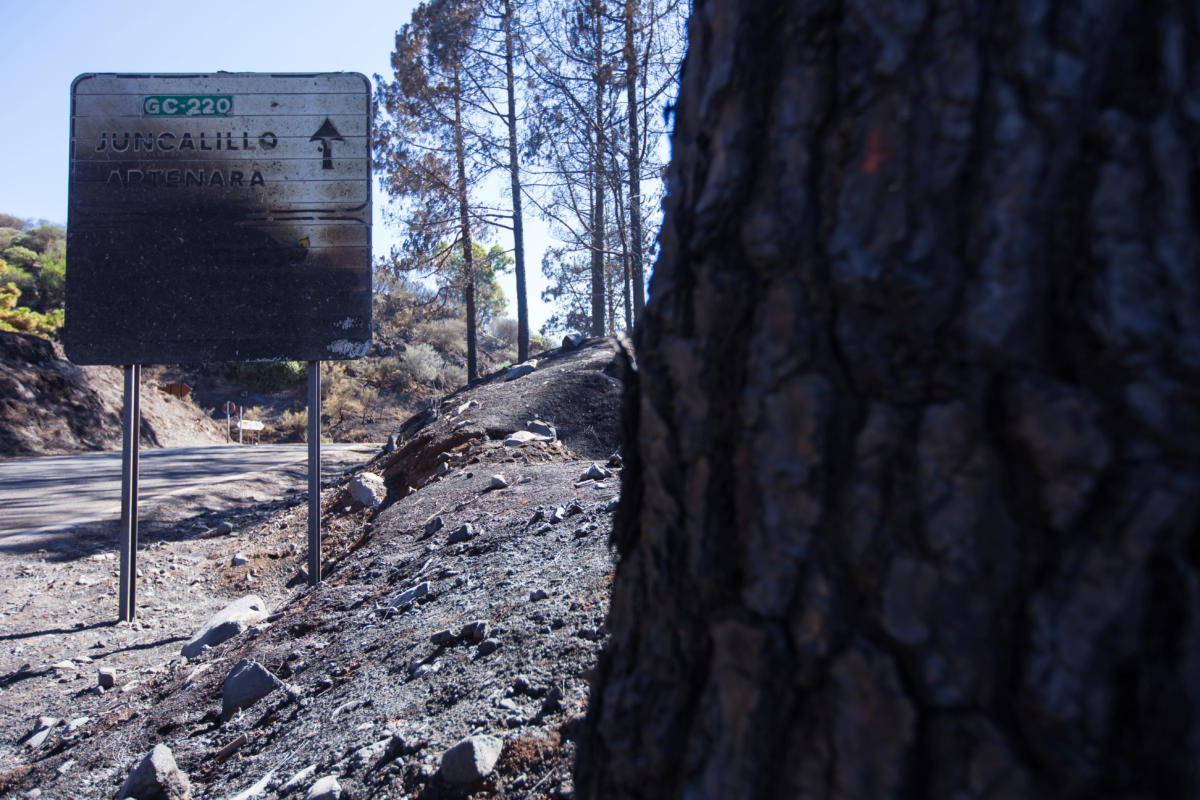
<point x="221" y="217"/>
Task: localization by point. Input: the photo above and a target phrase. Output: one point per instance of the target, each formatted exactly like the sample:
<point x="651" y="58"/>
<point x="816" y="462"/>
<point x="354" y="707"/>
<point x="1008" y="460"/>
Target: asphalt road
<point x="46" y="494"/>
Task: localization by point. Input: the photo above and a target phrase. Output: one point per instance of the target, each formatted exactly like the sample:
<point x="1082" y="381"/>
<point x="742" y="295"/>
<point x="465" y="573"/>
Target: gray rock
<point x="559" y="514"/>
<point x="443" y="470"/>
<point x="596" y="473"/>
<point x="499" y="482"/>
<point x="475" y="631"/>
<point x="224" y="529"/>
<point x="463" y="534"/>
<point x="227" y="623"/>
<point x="464" y="407"/>
<point x="572" y="340"/>
<point x="368" y="489"/>
<point x="518" y="438"/>
<point x="434" y="525"/>
<point x="326" y="788"/>
<point x="392" y="443"/>
<point x="239" y="559"/>
<point x="411" y="595"/>
<point x="106" y="677"/>
<point x="246" y="684"/>
<point x="462" y="424"/>
<point x="488" y="646"/>
<point x="471" y="760"/>
<point x="521" y="369"/>
<point x="157" y="778"/>
<point x="542" y="429"/>
<point x="297" y="779"/>
<point x="443" y="637"/>
<point x="538" y="594"/>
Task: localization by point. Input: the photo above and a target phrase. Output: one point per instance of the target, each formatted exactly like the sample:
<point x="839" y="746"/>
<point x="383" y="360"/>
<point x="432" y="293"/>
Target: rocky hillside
<point x="49" y="405"/>
<point x="446" y="655"/>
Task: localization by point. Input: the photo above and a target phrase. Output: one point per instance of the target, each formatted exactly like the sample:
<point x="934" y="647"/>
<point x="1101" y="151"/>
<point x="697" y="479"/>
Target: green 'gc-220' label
<point x="187" y="105"/>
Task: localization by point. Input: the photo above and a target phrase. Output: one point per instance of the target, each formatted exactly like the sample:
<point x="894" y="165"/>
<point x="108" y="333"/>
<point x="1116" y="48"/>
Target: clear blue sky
<point x="46" y="44"/>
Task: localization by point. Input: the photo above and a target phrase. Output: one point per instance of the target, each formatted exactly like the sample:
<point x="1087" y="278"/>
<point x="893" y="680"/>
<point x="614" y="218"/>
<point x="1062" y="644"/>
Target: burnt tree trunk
<point x="913" y="467"/>
<point x="514" y="170"/>
<point x="468" y="267"/>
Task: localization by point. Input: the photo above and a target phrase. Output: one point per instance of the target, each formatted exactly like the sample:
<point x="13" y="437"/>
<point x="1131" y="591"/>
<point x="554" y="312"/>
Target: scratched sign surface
<point x="222" y="217"/>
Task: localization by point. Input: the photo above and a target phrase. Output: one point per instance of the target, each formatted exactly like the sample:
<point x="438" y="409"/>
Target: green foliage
<point x="20" y="256"/>
<point x="267" y="376"/>
<point x="52" y="281"/>
<point x="8" y="236"/>
<point x="19" y="319"/>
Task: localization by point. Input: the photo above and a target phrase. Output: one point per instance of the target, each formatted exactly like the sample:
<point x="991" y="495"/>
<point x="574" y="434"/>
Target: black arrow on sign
<point x="326" y="134"/>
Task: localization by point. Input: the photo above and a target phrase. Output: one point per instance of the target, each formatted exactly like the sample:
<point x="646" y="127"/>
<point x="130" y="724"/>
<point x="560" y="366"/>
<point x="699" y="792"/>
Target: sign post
<point x="240" y="206"/>
<point x="314" y="473"/>
<point x="131" y="424"/>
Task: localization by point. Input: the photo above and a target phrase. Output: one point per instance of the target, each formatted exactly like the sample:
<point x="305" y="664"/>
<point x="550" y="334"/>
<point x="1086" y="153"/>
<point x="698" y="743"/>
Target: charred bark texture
<point x="912" y="487"/>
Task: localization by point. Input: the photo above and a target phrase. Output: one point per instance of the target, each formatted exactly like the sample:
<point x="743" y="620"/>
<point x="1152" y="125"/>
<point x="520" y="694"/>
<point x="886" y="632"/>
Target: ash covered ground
<point x="457" y="609"/>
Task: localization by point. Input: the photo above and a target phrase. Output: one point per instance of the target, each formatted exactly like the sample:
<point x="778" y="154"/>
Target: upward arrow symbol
<point x="325" y="134"/>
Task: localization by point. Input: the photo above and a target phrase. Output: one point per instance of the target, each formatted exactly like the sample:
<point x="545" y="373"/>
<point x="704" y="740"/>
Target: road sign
<point x="230" y="407"/>
<point x="220" y="217"/>
<point x="250" y="425"/>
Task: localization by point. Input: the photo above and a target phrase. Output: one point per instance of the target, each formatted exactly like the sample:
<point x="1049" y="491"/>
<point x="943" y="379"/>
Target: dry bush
<point x="505" y="329"/>
<point x="293" y="425"/>
<point x="447" y="336"/>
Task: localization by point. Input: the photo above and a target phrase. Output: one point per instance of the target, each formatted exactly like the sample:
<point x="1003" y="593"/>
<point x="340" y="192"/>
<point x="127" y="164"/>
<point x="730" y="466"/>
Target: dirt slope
<point x="51" y="406"/>
<point x="368" y="695"/>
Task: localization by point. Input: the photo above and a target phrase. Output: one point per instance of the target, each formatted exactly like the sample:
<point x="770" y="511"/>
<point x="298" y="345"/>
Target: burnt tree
<point x="914" y="444"/>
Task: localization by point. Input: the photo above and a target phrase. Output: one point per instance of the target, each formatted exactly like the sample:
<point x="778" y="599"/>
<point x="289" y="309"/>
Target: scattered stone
<point x="239" y="559"/>
<point x="464" y="533"/>
<point x="224" y="529"/>
<point x="366" y="755"/>
<point x="156" y="778"/>
<point x="410" y="595"/>
<point x="227" y="623"/>
<point x="518" y="438"/>
<point x="434" y="525"/>
<point x="247" y="683"/>
<point x="552" y="701"/>
<point x="41" y="731"/>
<point x="542" y="429"/>
<point x="521" y="369"/>
<point x="471" y="760"/>
<point x="297" y="779"/>
<point x="596" y="473"/>
<point x="499" y="482"/>
<point x="538" y="594"/>
<point x="559" y="514"/>
<point x="443" y="470"/>
<point x="392" y="443"/>
<point x="487" y="647"/>
<point x="526" y="479"/>
<point x="461" y="425"/>
<point x="615" y="461"/>
<point x="458" y="412"/>
<point x="77" y="723"/>
<point x="443" y="637"/>
<point x="475" y="632"/>
<point x="368" y="488"/>
<point x="326" y="788"/>
<point x="572" y="340"/>
<point x="106" y="677"/>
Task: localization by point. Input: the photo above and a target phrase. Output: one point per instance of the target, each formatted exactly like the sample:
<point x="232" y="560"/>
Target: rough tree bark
<point x="911" y="502"/>
<point x="599" y="250"/>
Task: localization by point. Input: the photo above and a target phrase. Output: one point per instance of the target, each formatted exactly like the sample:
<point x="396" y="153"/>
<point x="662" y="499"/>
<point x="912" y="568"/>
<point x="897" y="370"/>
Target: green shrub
<point x="19" y="319"/>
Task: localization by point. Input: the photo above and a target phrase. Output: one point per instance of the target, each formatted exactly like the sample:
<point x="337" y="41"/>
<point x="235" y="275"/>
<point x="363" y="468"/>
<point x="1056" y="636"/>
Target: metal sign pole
<point x="131" y="425"/>
<point x="314" y="473"/>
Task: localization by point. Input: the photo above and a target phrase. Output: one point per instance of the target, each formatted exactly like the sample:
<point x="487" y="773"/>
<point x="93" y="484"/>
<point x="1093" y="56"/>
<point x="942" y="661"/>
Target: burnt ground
<point x="367" y="695"/>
